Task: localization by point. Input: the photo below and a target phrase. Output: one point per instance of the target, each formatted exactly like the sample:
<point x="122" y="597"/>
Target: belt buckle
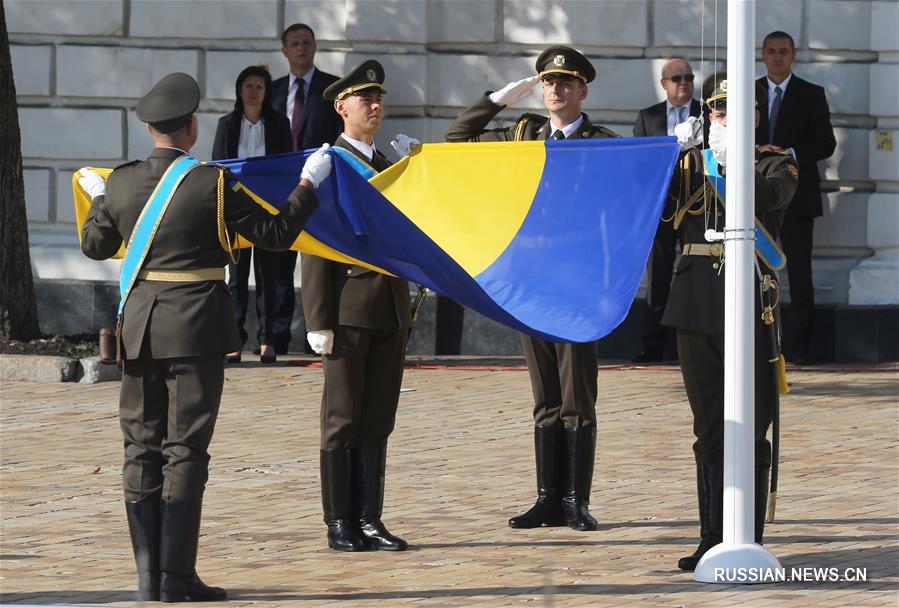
<point x="717" y="249"/>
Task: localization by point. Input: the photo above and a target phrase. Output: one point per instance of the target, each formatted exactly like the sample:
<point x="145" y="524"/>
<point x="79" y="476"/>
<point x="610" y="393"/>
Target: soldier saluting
<point x="563" y="376"/>
<point x="696" y="310"/>
<point x="178" y="217"/>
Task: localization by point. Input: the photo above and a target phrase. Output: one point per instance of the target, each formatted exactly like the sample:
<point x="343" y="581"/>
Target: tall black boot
<point x="369" y="469"/>
<point x="710" y="491"/>
<point x="549" y="453"/>
<point x="143" y="523"/>
<point x="336" y="468"/>
<point x="580" y="447"/>
<point x="178" y="554"/>
<point x="761" y="500"/>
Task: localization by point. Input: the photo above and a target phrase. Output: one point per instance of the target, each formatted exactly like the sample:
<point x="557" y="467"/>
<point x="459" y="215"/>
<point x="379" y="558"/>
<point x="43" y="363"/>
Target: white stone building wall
<point x="81" y="65"/>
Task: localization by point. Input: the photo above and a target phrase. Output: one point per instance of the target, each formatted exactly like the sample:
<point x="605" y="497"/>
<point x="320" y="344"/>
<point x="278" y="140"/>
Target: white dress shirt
<point x="772" y="94"/>
<point x="368" y="151"/>
<point x="672" y="118"/>
<point x="566" y="131"/>
<point x="252" y="138"/>
<point x="306" y="81"/>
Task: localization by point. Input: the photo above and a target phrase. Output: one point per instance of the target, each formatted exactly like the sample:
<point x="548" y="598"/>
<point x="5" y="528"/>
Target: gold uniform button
<point x="349" y="271"/>
<point x="715" y="265"/>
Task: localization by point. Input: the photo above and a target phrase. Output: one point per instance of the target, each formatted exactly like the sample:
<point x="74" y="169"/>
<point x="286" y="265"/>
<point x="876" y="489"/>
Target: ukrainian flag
<point x="547" y="237"/>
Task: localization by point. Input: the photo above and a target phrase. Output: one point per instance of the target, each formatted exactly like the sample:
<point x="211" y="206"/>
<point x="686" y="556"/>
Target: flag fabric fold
<point x="547" y="237"/>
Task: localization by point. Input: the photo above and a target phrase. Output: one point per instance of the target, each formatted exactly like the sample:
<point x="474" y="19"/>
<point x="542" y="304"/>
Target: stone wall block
<point x="65" y="199"/>
<point x="327" y="18"/>
<point x="844" y="225"/>
<point x="845" y="84"/>
<point x="31" y="69"/>
<point x="884" y="162"/>
<point x="396" y="21"/>
<point x="462" y="20"/>
<point x="37" y="194"/>
<point x="839" y="24"/>
<point x="884" y="17"/>
<point x="405" y="76"/>
<point x="97" y="71"/>
<point x="850" y="159"/>
<point x="65" y="17"/>
<point x="695" y="23"/>
<point x="80" y="134"/>
<point x="192" y="19"/>
<point x="223" y="67"/>
<point x="576" y="22"/>
<point x="884" y="93"/>
<point x="883" y="218"/>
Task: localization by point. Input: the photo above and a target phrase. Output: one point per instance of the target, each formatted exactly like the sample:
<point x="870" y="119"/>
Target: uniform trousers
<point x="702" y="366"/>
<point x="363" y="376"/>
<point x="563" y="379"/>
<point x="796" y="237"/>
<point x="167" y="412"/>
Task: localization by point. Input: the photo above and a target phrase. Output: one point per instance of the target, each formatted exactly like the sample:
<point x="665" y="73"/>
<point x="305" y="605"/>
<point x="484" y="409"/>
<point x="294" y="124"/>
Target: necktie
<point x="680" y="114"/>
<point x="558" y="134"/>
<point x="775" y="110"/>
<point x="297" y="113"/>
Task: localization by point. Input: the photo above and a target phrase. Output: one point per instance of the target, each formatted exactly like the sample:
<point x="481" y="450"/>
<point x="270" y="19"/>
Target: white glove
<point x="718" y="142"/>
<point x="403" y="144"/>
<point x="92" y="183"/>
<point x="318" y="166"/>
<point x="689" y="133"/>
<point x="322" y="341"/>
<point x="514" y="91"/>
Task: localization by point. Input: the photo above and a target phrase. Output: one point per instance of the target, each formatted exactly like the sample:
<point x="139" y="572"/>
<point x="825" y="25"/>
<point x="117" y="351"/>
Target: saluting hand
<point x="403" y="144"/>
<point x="718" y="142"/>
<point x="92" y="183"/>
<point x="318" y="166"/>
<point x="514" y="91"/>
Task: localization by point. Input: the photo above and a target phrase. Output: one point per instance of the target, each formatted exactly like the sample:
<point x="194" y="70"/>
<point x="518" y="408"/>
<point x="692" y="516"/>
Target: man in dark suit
<point x="661" y="119"/>
<point x="696" y="310"/>
<point x="313" y="122"/>
<point x="563" y="375"/>
<point x="176" y="326"/>
<point x="358" y="320"/>
<point x="796" y="121"/>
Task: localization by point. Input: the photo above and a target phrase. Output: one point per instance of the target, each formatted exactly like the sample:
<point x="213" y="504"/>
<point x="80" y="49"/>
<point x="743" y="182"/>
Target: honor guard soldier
<point x="563" y="376"/>
<point x="696" y="310"/>
<point x="358" y="320"/>
<point x="178" y="217"/>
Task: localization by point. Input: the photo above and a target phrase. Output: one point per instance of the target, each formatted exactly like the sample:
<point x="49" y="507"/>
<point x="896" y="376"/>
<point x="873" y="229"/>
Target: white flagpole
<point x="738" y="549"/>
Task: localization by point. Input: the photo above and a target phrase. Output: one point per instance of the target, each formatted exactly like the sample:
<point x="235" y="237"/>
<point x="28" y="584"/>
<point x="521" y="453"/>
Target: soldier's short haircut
<point x="294" y="28"/>
<point x="779" y="34"/>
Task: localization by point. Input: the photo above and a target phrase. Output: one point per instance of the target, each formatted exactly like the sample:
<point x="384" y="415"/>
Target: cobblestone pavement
<point x="460" y="464"/>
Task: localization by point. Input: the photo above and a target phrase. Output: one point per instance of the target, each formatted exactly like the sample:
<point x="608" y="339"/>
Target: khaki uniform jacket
<point x="195" y="318"/>
<point x="696" y="302"/>
<point x="334" y="293"/>
<point x="471" y="125"/>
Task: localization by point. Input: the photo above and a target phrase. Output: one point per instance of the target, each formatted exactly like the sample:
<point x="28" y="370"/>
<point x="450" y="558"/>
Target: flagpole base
<point x="737" y="564"/>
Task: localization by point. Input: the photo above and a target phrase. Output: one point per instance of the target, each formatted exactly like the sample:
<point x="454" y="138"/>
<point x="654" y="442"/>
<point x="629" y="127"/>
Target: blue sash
<point x="145" y="229"/>
<point x="351" y="159"/>
<point x="765" y="247"/>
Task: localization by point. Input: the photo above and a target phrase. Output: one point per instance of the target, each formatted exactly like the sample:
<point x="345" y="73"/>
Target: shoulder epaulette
<point x="524" y="120"/>
<point x="605" y="131"/>
<point x="130" y="163"/>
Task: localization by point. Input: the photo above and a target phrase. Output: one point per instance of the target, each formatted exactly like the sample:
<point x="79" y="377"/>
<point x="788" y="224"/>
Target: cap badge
<point x="723" y="86"/>
<point x="370" y="74"/>
<point x="559" y="60"/>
